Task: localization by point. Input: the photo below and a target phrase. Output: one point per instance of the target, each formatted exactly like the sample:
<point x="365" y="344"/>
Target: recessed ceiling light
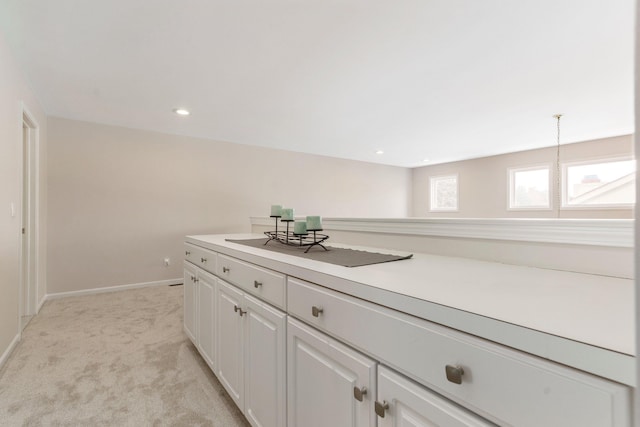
<point x="379" y="152"/>
<point x="181" y="111"/>
<point x="426" y="160"/>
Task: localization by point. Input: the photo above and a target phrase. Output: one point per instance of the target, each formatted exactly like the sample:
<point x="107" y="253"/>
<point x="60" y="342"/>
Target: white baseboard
<point x="41" y="303"/>
<point x="9" y="350"/>
<point x="112" y="288"/>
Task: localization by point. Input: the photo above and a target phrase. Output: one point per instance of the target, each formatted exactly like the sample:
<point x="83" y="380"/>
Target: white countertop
<point x="580" y="320"/>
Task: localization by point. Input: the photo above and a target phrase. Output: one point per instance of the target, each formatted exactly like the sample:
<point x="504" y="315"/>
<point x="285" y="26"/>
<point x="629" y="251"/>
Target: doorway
<point x="29" y="228"/>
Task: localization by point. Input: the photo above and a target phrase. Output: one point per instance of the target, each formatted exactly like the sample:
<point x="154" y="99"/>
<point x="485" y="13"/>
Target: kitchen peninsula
<point x="472" y="341"/>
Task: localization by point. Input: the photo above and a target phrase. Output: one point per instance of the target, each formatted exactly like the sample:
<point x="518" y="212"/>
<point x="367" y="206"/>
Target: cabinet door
<point x="403" y="403"/>
<point x="322" y="377"/>
<point x="229" y="340"/>
<point x="265" y="364"/>
<point x="206" y="286"/>
<point x="189" y="306"/>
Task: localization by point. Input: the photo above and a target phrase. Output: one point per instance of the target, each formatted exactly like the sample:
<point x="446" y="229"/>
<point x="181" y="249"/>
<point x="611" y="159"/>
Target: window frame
<point x="432" y="194"/>
<point x="564" y="199"/>
<point x="511" y="188"/>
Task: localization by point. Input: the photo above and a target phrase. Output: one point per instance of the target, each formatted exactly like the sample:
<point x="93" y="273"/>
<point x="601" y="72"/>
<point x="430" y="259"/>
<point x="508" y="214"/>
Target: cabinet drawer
<point x="201" y="257"/>
<point x="503" y="385"/>
<point x="265" y="284"/>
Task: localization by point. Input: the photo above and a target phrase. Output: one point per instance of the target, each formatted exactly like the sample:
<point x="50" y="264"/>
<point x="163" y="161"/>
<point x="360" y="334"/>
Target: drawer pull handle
<point x="187" y="253"/>
<point x="359" y="393"/>
<point x="454" y="373"/>
<point x="238" y="309"/>
<point x="316" y="311"/>
<point x="256" y="284"/>
<point x="381" y="408"/>
<point x="226" y="269"/>
<point x="203" y="260"/>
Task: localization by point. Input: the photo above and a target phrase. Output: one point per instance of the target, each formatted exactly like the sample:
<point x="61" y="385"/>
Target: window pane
<point x="444" y="193"/>
<point x="610" y="183"/>
<point x="530" y="188"/>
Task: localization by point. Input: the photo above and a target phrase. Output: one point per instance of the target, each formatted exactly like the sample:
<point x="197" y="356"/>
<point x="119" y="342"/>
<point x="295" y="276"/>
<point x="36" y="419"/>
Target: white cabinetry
<point x="329" y="384"/>
<point x="403" y="403"/>
<point x="251" y="339"/>
<point x="205" y="325"/>
<point x="265" y="364"/>
<point x="330" y="358"/>
<point x="200" y="257"/>
<point x="268" y="285"/>
<point x="199" y="310"/>
<point x="503" y="385"/>
<point x="189" y="306"/>
<point x="229" y="342"/>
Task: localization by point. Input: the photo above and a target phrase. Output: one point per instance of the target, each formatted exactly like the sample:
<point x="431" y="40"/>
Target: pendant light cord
<point x="558" y="180"/>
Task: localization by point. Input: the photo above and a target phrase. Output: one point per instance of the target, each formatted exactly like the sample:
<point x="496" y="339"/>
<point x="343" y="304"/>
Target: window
<point x="444" y="193"/>
<point x="529" y="188"/>
<point x="605" y="184"/>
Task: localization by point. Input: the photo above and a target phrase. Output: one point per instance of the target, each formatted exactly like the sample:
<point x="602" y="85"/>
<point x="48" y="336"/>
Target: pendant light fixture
<point x="558" y="178"/>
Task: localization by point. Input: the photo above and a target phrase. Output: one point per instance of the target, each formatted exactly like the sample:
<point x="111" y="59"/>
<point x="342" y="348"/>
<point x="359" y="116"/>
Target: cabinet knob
<point x="454" y="373"/>
<point x="203" y="260"/>
<point x="316" y="311"/>
<point x="381" y="408"/>
<point x="239" y="310"/>
<point x="187" y="253"/>
<point x="225" y="269"/>
<point x="256" y="284"/>
<point x="359" y="393"/>
<point x="193" y="278"/>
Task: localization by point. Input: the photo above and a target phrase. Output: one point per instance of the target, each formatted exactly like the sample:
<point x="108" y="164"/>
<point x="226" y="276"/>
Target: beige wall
<point x="121" y="200"/>
<point x="14" y="91"/>
<point x="484" y="187"/>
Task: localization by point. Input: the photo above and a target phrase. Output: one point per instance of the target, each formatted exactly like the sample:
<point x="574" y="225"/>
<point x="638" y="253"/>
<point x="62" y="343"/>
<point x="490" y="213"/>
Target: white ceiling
<point x="438" y="79"/>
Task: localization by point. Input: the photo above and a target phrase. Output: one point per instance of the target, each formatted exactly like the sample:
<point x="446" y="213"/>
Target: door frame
<point x="29" y="211"/>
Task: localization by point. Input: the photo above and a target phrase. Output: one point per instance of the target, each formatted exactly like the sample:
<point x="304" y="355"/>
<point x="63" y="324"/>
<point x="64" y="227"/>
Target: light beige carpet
<point x="112" y="359"/>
